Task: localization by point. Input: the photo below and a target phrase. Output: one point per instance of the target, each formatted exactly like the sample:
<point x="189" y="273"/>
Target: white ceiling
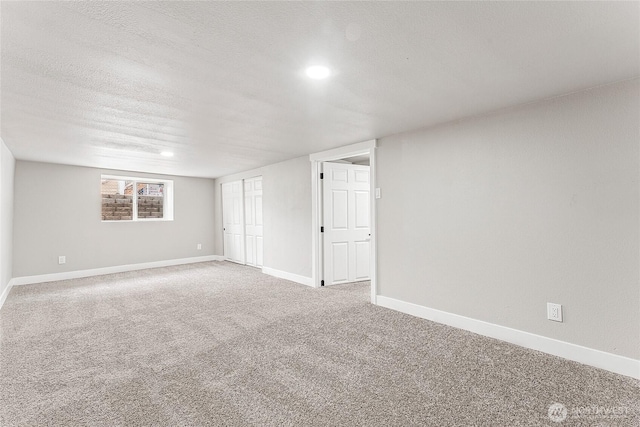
<point x="111" y="84"/>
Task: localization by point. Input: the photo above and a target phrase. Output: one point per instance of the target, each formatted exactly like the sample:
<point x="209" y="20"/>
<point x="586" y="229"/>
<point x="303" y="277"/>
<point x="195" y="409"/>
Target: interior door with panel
<point x="233" y="221"/>
<point x="253" y="220"/>
<point x="346" y="211"/>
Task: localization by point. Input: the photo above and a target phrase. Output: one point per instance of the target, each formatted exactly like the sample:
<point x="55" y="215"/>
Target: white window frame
<point x="167" y="207"/>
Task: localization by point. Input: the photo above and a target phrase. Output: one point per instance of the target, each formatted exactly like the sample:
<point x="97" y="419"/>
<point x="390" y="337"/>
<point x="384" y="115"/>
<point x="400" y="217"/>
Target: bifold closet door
<point x="253" y="220"/>
<point x="233" y="221"/>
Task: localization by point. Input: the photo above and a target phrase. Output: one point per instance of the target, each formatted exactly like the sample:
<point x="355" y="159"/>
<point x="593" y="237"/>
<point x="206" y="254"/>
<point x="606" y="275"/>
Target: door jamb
<point x="366" y="147"/>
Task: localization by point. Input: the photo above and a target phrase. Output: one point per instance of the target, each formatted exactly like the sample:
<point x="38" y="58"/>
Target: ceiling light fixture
<point x="166" y="154"/>
<point x="318" y="72"/>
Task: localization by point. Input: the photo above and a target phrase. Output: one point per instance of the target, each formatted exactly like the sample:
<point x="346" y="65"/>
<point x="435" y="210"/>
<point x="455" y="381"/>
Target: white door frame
<point x="361" y="148"/>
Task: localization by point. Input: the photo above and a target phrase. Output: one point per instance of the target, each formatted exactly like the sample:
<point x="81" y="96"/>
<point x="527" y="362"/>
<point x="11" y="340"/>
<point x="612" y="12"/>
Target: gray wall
<point x="7" y="165"/>
<point x="287" y="214"/>
<point x="57" y="212"/>
<point x="493" y="217"/>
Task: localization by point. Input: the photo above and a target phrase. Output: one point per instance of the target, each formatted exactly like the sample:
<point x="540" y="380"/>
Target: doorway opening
<point x="344" y="215"/>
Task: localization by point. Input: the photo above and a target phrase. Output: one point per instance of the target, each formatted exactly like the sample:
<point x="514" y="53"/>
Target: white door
<point x="346" y="238"/>
<point x="253" y="220"/>
<point x="233" y="221"/>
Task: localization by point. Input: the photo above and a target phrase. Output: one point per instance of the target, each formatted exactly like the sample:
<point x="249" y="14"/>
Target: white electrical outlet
<point x="199" y="246"/>
<point x="62" y="259"/>
<point x="554" y="312"/>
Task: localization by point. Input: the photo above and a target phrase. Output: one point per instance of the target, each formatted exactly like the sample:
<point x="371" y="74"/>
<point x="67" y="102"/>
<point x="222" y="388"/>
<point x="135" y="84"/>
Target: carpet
<point x="219" y="344"/>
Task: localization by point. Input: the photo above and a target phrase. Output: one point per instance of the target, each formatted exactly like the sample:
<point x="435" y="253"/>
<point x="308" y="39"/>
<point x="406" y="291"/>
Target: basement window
<point x="136" y="199"/>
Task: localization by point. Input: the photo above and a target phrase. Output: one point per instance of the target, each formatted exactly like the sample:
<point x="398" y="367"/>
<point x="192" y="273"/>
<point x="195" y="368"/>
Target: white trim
<point x="343" y="152"/>
<point x="134" y="178"/>
<point x="316" y="242"/>
<point x="577" y="353"/>
<point x="28" y="280"/>
<point x="366" y="147"/>
<point x="5" y="294"/>
<point x="374" y="224"/>
<point x="303" y="280"/>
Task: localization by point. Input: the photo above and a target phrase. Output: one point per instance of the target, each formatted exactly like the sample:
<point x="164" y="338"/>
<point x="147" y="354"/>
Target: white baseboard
<point x="5" y="293"/>
<point x="589" y="356"/>
<point x="41" y="278"/>
<point x="303" y="280"/>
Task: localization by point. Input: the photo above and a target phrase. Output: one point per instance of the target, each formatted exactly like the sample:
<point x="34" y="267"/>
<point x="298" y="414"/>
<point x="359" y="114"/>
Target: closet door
<point x="233" y="221"/>
<point x="253" y="220"/>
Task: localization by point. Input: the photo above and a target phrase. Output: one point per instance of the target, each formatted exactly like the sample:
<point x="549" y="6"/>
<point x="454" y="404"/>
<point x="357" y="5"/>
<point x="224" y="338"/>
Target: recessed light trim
<point x="166" y="154"/>
<point x="318" y="72"/>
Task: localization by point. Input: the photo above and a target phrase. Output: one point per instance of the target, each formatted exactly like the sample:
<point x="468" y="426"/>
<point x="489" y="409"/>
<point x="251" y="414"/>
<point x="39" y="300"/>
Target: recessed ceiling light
<point x="318" y="72"/>
<point x="167" y="154"/>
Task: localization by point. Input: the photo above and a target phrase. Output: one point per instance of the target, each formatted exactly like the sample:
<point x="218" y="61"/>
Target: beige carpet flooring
<point x="219" y="344"/>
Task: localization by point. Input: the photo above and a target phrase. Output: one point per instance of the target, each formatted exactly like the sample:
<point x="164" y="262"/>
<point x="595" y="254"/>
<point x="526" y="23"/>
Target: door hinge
<point x="321" y="175"/>
<point x="322" y="229"/>
<point x="321" y="282"/>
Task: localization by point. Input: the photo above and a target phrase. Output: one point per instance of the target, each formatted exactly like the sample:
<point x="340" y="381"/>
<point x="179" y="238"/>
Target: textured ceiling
<point x="111" y="84"/>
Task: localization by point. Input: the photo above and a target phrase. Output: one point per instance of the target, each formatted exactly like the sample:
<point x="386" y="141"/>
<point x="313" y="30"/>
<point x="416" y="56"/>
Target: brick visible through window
<point x="117" y="200"/>
<point x="150" y="200"/>
<point x="130" y="199"/>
